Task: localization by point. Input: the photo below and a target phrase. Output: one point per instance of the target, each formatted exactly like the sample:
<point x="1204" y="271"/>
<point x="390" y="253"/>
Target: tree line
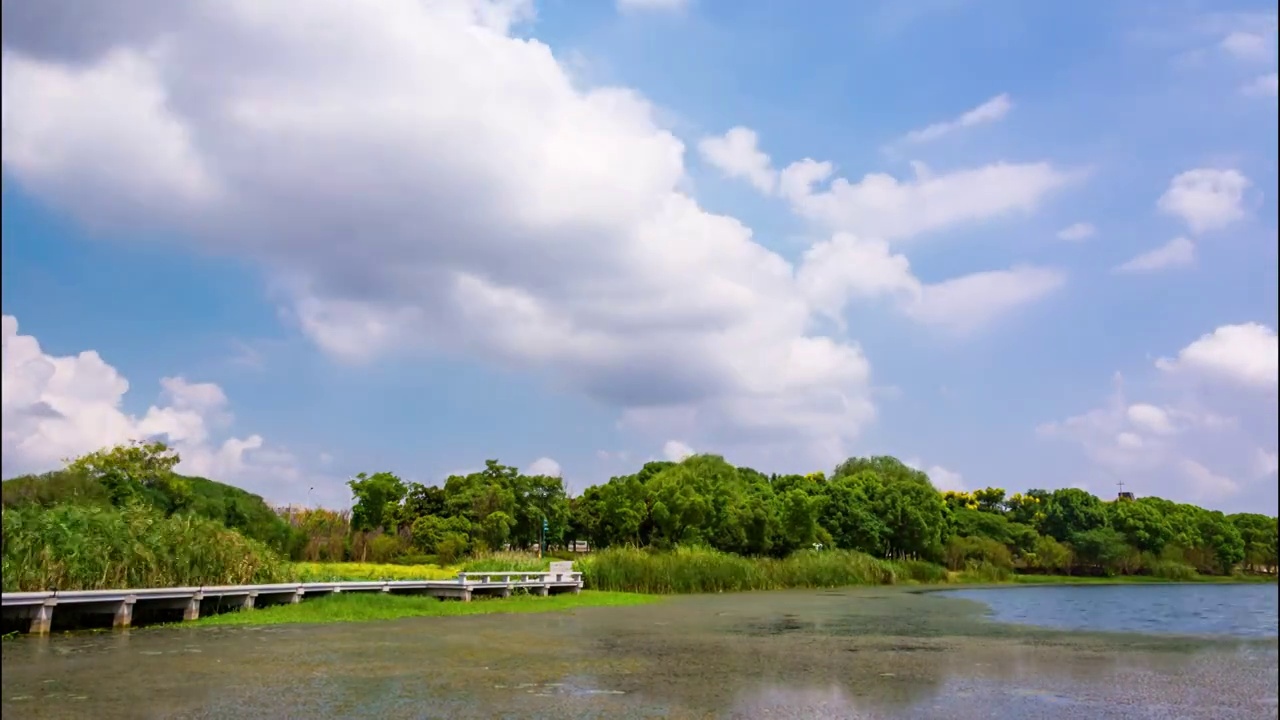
<point x="876" y="505"/>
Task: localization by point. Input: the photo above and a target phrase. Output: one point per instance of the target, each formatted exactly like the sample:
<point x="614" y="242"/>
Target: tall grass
<point x="85" y="547"/>
<point x="507" y="562"/>
<point x="689" y="570"/>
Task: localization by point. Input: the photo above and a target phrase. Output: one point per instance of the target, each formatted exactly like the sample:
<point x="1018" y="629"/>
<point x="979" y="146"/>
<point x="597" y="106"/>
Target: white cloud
<point x="1177" y="253"/>
<point x="1243" y="354"/>
<point x="941" y="477"/>
<point x="1205" y="198"/>
<point x="1150" y="419"/>
<point x="1206" y="483"/>
<point x="1262" y="86"/>
<point x="881" y="206"/>
<point x="1266" y="462"/>
<point x="59" y="407"/>
<point x="583" y="256"/>
<point x="736" y="155"/>
<point x="969" y="303"/>
<point x="990" y="111"/>
<point x="675" y="451"/>
<point x="543" y="466"/>
<point x="1077" y="232"/>
<point x="1179" y="445"/>
<point x="1249" y="46"/>
<point x="626" y="5"/>
<point x="836" y="272"/>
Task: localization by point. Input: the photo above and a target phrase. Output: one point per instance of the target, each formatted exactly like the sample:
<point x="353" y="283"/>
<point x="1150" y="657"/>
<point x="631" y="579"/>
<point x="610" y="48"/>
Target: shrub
<point x="967" y="553"/>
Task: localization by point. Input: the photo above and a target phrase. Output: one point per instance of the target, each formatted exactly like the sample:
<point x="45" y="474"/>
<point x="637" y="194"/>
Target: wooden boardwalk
<point x="37" y="608"/>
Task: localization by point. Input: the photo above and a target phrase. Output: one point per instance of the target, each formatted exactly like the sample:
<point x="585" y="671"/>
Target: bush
<point x="1171" y="570"/>
<point x="83" y="547"/>
<point x="968" y="553"/>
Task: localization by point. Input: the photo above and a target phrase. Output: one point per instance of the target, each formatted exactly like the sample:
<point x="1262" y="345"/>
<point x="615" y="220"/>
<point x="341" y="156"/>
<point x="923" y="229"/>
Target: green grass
<point x="364" y="607"/>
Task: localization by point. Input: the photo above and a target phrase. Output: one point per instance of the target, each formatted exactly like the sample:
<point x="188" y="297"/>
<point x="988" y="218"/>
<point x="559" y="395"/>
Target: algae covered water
<point x="857" y="653"/>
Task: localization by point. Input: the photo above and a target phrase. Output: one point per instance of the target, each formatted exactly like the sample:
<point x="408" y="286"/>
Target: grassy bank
<point x="363" y="607"/>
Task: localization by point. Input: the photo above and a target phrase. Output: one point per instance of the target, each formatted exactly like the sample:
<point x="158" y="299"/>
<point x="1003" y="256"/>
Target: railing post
<point x="124" y="615"/>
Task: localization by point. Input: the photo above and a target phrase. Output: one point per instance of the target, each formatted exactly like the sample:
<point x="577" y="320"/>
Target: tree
<point x="1142" y="524"/>
<point x="1071" y="511"/>
<point x="137" y="471"/>
<point x="374" y="495"/>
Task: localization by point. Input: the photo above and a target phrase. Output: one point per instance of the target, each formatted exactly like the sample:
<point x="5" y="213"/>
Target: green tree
<point x="374" y="495"/>
<point x="137" y="471"/>
<point x="1071" y="511"/>
<point x="1142" y="524"/>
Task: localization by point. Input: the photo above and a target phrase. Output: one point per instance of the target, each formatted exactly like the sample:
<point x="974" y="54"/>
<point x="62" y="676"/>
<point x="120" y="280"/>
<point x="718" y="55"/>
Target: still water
<point x="864" y="653"/>
<point x="1234" y="610"/>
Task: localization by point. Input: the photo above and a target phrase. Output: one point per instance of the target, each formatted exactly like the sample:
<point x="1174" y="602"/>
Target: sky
<point x="1022" y="245"/>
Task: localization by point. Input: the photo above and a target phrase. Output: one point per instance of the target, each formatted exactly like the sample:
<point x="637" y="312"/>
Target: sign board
<point x="561" y="567"/>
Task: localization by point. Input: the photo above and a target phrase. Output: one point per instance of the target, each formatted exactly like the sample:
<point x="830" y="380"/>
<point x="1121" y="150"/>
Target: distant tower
<point x="1123" y="495"/>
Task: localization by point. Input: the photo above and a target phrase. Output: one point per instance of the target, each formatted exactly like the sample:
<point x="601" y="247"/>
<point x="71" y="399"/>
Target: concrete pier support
<point x="248" y="602"/>
<point x="506" y="592"/>
<point x="42" y="620"/>
<point x="192" y="610"/>
<point x="466" y="595"/>
<point x="295" y="598"/>
<point x="123" y="617"/>
<point x="542" y="590"/>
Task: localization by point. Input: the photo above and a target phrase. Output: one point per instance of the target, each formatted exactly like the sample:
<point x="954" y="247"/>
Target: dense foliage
<point x="871" y="518"/>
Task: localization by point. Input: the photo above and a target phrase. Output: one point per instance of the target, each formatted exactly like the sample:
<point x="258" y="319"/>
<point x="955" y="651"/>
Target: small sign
<point x="562" y="567"/>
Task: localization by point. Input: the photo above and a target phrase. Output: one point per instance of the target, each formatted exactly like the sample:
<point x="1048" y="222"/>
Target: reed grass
<point x="507" y="562"/>
<point x="695" y="570"/>
<point x="87" y="547"/>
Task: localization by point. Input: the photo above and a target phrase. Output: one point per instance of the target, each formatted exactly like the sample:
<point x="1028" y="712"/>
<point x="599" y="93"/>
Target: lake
<point x="1191" y="609"/>
<point x="853" y="653"/>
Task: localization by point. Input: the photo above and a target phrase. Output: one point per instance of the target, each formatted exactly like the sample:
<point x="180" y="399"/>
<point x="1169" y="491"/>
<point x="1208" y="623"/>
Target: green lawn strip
<point x="363" y="607"/>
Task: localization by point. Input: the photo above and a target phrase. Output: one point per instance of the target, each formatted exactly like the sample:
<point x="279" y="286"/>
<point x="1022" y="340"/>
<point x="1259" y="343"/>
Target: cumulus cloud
<point x="1241" y="354"/>
<point x="881" y="206"/>
<point x="1077" y="232"/>
<point x="1177" y="253"/>
<point x="736" y="155"/>
<point x="1194" y="443"/>
<point x="543" y="466"/>
<point x="844" y="269"/>
<point x="1205" y="198"/>
<point x="59" y="407"/>
<point x="992" y="110"/>
<point x="582" y="257"/>
<point x="487" y="204"/>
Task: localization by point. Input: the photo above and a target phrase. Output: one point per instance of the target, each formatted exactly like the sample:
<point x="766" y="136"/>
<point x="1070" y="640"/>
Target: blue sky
<point x="445" y="233"/>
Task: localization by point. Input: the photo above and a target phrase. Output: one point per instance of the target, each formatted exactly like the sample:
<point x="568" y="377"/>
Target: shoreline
<point x="358" y="608"/>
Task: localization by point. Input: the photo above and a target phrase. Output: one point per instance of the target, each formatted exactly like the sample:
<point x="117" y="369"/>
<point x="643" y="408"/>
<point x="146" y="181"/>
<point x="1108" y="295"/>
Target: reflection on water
<point x="853" y="654"/>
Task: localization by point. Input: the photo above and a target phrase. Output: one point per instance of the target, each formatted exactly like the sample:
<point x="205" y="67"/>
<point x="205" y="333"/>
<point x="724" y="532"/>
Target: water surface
<point x="865" y="653"/>
<point x="1191" y="609"/>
